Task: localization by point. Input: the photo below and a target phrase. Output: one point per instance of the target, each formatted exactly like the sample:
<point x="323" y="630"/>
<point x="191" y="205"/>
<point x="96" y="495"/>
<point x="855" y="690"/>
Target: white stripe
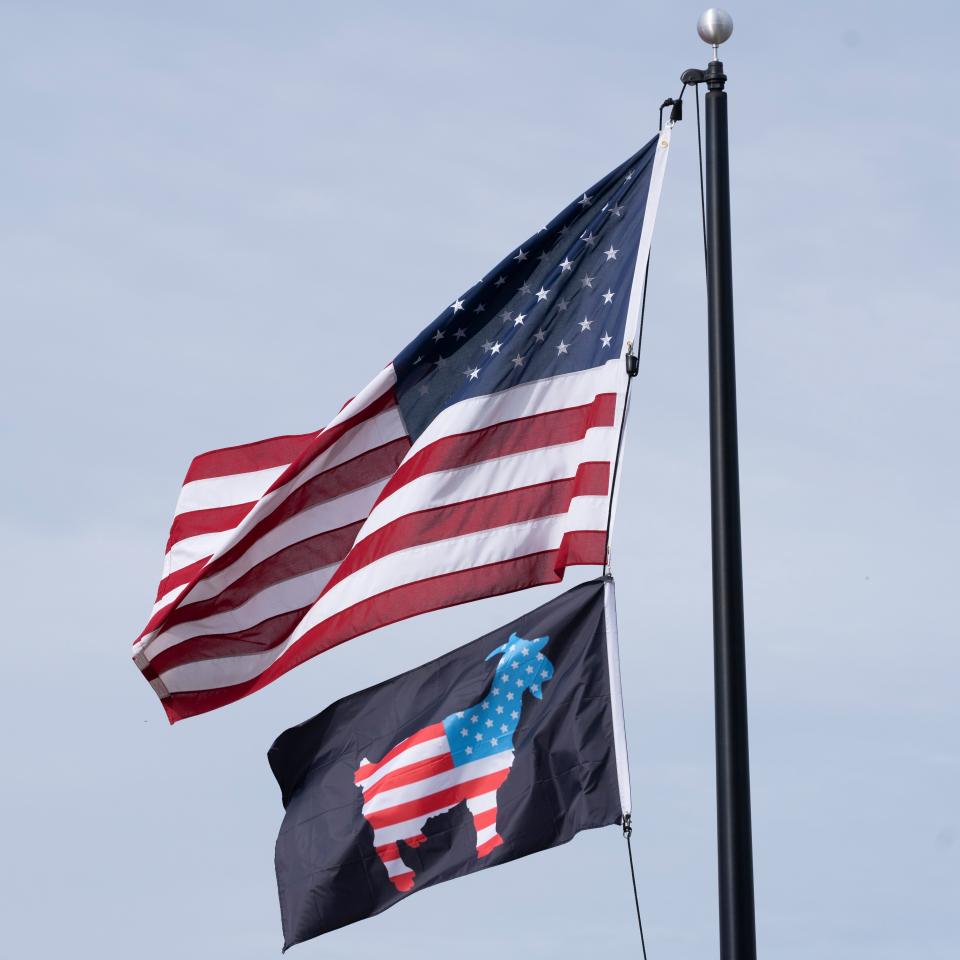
<point x="486" y="834"/>
<point x="524" y="400"/>
<point x="486" y="801"/>
<point x="616" y="695"/>
<point x="167" y="599"/>
<point x="511" y="472"/>
<point x="395" y="867"/>
<point x="441" y="781"/>
<point x="419" y="751"/>
<point x="191" y="549"/>
<point x="405" y="566"/>
<point x="227" y="491"/>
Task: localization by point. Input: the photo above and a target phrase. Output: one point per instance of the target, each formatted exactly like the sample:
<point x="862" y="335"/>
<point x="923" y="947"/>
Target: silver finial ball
<point x="715" y="26"/>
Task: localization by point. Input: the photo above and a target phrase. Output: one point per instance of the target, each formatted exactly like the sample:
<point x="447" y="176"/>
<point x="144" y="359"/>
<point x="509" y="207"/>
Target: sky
<point x="219" y="220"/>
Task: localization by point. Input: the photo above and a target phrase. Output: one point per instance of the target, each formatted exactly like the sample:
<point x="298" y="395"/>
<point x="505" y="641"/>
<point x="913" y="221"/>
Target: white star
<point x="585" y="201"/>
<point x="608" y="296"/>
<point x="587" y="281"/>
<point x="617" y="210"/>
<point x="489" y="724"/>
<point x="509" y="695"/>
<point x="474" y="718"/>
<point x="460" y="334"/>
<point x="566" y="265"/>
<point x="495" y="348"/>
<point x="479" y="308"/>
<point x="517" y="361"/>
<point x="585" y="324"/>
<point x="543" y="674"/>
<point x="493" y="741"/>
<point x="543" y="256"/>
<point x="505" y="315"/>
<point x="500" y="709"/>
<point x="468" y="751"/>
<point x="472" y="374"/>
<point x="518" y="319"/>
<point x="519" y="682"/>
<point x="629" y="175"/>
<point x="487" y="346"/>
<point x="606" y="338"/>
<point x="415" y="362"/>
<point x="529" y="669"/>
<point x="540" y="336"/>
<point x="542" y="294"/>
<point x="500" y="281"/>
<point x="562" y="305"/>
<point x="495" y="691"/>
<point x="478" y="737"/>
<point x="525" y="289"/>
<point x="485" y="704"/>
<point x="438" y="336"/>
<point x="503" y="728"/>
<point x="514" y="665"/>
<point x="440" y="362"/>
<point x="514" y="715"/>
<point x="504" y="678"/>
<point x="526" y="651"/>
<point x="562" y="347"/>
<point x="611" y="253"/>
<point x="463" y="731"/>
<point x="535" y="687"/>
<point x="589" y="239"/>
<point x="457" y="306"/>
<point x="539" y="656"/>
<point x="423" y="389"/>
<point x="521" y="256"/>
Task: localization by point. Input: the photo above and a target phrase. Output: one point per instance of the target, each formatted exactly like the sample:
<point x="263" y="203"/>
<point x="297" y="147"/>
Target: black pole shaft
<point x="734" y="843"/>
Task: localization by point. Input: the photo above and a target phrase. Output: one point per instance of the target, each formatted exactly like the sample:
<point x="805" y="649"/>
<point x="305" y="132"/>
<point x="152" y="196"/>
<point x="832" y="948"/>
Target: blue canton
<point x="488" y="727"/>
<point x="556" y="304"/>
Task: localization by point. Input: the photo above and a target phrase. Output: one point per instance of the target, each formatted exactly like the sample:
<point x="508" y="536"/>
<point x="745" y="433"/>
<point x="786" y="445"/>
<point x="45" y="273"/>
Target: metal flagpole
<point x="734" y="843"/>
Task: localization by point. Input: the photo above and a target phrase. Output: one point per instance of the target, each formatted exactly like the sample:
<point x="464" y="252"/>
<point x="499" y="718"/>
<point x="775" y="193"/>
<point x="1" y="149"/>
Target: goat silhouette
<point x="463" y="759"/>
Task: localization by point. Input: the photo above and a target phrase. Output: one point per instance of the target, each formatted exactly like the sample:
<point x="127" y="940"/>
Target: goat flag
<point x="476" y="463"/>
<point x="506" y="746"/>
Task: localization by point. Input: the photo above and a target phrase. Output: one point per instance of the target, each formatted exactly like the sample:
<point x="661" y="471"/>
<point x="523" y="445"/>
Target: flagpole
<point x="734" y="842"/>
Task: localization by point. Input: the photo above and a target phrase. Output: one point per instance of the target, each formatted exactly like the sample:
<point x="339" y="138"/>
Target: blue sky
<point x="220" y="219"/>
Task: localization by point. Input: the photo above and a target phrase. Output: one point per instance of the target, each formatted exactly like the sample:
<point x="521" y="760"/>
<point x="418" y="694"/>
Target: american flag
<point x="478" y="462"/>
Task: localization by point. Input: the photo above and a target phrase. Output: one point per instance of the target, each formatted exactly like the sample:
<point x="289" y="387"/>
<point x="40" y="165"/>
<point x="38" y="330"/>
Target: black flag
<point x="503" y="747"/>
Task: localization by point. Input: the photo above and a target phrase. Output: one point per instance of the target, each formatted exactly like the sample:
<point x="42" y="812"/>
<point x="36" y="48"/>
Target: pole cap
<point x="715" y="26"/>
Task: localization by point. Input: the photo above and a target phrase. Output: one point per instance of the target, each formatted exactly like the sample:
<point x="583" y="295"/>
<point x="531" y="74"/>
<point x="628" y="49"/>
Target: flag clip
<point x="633" y="361"/>
<point x="627" y="826"/>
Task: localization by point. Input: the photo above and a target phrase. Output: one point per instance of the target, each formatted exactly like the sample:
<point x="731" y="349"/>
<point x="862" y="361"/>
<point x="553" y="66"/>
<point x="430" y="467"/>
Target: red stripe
<point x="487" y="818"/>
<point x="491" y="844"/>
<point x="421" y="736"/>
<point x="502" y="439"/>
<point x="412" y="773"/>
<point x="471" y="516"/>
<point x="413" y="809"/>
<point x="244" y="458"/>
<point x="181" y="576"/>
<point x="212" y="520"/>
<point x="576" y="548"/>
